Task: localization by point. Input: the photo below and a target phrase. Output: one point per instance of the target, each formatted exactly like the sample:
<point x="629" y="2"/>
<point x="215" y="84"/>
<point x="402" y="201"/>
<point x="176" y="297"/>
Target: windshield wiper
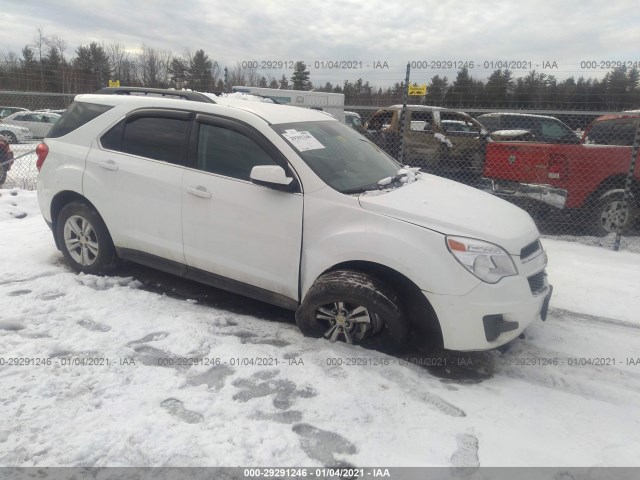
<point x="404" y="175"/>
<point x="408" y="174"/>
<point x="364" y="188"/>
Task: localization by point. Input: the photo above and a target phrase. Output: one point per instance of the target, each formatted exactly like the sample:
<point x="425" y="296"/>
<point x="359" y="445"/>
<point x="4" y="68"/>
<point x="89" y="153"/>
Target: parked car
<point x="586" y="180"/>
<point x="15" y="134"/>
<point x="541" y="128"/>
<point x="6" y="111"/>
<point x="39" y="123"/>
<point x="430" y="141"/>
<point x="292" y="207"/>
<point x="354" y="120"/>
<point x="58" y="111"/>
<point x="6" y="160"/>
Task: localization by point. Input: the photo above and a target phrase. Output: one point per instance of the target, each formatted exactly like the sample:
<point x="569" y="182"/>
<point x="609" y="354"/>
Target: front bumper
<point x="490" y="315"/>
<point x="552" y="196"/>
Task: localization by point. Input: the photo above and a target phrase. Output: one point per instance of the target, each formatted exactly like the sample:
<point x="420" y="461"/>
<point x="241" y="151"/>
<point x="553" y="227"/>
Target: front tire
<point x="605" y="213"/>
<point x="355" y="308"/>
<point x="84" y="239"/>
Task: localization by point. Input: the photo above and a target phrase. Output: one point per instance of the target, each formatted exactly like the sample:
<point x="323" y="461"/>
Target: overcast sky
<point x="372" y="31"/>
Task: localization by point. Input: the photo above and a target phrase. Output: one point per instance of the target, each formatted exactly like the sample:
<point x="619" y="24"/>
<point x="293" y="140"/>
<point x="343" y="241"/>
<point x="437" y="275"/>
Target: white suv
<point x="289" y="206"/>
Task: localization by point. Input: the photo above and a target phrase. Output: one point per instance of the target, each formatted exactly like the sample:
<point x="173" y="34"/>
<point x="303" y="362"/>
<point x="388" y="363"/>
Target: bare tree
<point x="39" y="43"/>
<point x="153" y="66"/>
<point x="60" y="44"/>
<point x="239" y="75"/>
<point x="11" y="59"/>
<point x="118" y="58"/>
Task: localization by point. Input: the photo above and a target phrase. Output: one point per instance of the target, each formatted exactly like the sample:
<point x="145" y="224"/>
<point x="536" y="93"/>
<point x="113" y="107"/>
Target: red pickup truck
<point x="587" y="179"/>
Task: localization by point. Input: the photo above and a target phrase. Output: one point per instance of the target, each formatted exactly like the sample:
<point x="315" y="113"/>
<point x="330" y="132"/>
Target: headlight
<point x="487" y="261"/>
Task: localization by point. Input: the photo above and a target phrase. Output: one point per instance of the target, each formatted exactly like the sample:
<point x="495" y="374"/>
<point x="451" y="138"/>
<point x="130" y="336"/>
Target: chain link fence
<point x="25" y="118"/>
<point x="574" y="171"/>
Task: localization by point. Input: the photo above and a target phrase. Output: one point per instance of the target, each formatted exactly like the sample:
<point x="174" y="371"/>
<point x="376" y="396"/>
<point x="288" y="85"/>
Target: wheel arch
<point x="615" y="182"/>
<point x="60" y="200"/>
<point x="413" y="300"/>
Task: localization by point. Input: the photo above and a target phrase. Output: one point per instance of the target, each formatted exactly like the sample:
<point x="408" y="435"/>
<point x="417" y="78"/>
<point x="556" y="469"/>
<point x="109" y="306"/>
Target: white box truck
<point x="332" y="103"/>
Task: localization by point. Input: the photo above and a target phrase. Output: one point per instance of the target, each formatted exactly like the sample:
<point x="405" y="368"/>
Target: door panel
<point x="135" y="181"/>
<point x="232" y="227"/>
<point x="242" y="231"/>
<point x="139" y="200"/>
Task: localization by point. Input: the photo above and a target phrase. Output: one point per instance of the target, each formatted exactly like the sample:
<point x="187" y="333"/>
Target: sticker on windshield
<point x="303" y="141"/>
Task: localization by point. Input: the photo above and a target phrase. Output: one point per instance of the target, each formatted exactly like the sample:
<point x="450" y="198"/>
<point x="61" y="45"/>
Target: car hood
<point x="452" y="208"/>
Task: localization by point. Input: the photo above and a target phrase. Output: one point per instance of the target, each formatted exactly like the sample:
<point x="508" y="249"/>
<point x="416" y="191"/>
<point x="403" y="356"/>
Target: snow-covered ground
<point x="534" y="405"/>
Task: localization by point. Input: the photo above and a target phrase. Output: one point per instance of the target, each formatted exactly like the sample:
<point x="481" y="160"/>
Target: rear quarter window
<point x="75" y="116"/>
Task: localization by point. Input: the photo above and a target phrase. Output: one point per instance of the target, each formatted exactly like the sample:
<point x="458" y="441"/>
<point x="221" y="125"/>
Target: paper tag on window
<point x="303" y="141"/>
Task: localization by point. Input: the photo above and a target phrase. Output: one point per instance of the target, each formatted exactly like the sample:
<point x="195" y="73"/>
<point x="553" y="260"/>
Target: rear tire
<point x="354" y="307"/>
<point x="603" y="214"/>
<point x="84" y="239"/>
<point x="10" y="136"/>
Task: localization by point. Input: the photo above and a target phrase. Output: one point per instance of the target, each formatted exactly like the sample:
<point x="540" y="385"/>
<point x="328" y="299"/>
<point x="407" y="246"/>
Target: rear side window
<point x="552" y="130"/>
<point x="75" y="116"/>
<point x="421" y="121"/>
<point x="158" y="138"/>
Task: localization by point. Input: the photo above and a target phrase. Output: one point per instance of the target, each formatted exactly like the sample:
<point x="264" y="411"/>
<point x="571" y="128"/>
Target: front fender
<point x="338" y="231"/>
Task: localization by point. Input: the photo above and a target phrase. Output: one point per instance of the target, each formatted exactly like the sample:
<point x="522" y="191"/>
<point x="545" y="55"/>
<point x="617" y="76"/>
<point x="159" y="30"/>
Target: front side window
<point x="617" y="131"/>
<point x="601" y="133"/>
<point x="157" y="138"/>
<point x="516" y="122"/>
<point x="624" y="134"/>
<point x="490" y="123"/>
<point x="226" y="152"/>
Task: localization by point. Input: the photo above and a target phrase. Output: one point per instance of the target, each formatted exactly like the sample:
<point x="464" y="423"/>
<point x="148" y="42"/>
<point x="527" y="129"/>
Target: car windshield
<point x="340" y="156"/>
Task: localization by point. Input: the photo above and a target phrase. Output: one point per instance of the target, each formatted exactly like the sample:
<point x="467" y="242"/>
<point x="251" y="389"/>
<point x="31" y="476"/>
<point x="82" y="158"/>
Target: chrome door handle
<point x="199" y="191"/>
<point x="108" y="165"/>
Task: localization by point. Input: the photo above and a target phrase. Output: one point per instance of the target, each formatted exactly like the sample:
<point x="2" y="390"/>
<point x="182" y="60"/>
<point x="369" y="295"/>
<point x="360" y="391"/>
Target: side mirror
<point x="272" y="176"/>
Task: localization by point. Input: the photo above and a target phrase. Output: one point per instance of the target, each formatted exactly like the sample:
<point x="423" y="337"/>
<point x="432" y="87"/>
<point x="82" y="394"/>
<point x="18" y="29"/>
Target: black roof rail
<point x="162" y="92"/>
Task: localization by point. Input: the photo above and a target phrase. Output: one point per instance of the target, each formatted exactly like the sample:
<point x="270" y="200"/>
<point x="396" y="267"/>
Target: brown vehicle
<point x="440" y="141"/>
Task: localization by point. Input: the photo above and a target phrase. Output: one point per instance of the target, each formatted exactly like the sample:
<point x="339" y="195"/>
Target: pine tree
<point x="93" y="65"/>
<point x="199" y="72"/>
<point x="437" y="90"/>
<point x="300" y="77"/>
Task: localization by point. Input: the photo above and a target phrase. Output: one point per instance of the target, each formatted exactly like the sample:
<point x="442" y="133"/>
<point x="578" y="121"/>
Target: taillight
<point x="558" y="168"/>
<point x="42" y="150"/>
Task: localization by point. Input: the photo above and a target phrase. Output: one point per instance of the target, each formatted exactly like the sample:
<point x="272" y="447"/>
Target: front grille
<point x="530" y="250"/>
<point x="538" y="282"/>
